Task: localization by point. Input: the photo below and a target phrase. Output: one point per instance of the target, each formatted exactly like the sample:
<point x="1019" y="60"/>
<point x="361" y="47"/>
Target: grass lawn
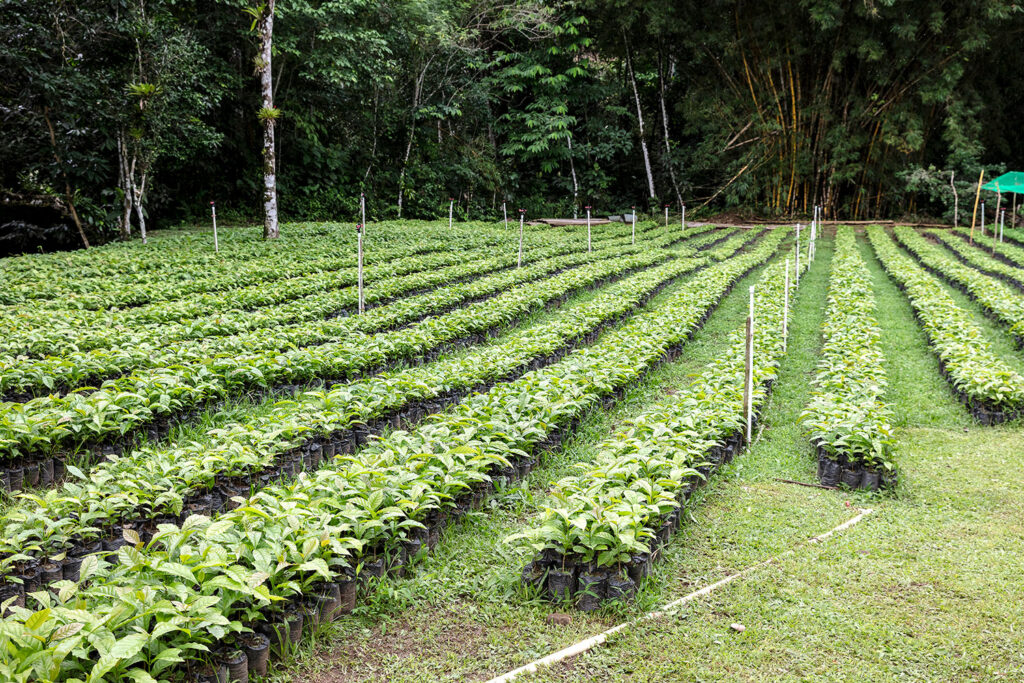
<point x="928" y="587"/>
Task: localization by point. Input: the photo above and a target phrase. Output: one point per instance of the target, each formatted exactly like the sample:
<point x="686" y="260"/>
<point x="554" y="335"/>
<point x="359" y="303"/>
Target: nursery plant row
<point x="201" y="476"/>
<point x="989" y="387"/>
<point x="167" y="600"/>
<point x="41" y="332"/>
<point x="846" y="419"/>
<point x="22" y="376"/>
<point x="999" y="300"/>
<point x="979" y="257"/>
<point x="197" y="276"/>
<point x="1008" y="252"/>
<point x="596" y="539"/>
<point x="47" y="424"/>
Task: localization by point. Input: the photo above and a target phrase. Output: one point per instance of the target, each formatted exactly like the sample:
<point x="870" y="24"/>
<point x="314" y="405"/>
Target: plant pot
<point x="561" y="584"/>
<point x="620" y="588"/>
<point x="50" y="572"/>
<point x="16" y="476"/>
<point x="871" y="480"/>
<point x="329" y="596"/>
<point x="72" y="568"/>
<point x="374" y="568"/>
<point x="32" y="474"/>
<point x="46" y="473"/>
<point x="237" y="665"/>
<point x="850" y="477"/>
<point x="591" y="591"/>
<point x="533" y="575"/>
<point x="11" y="590"/>
<point x="257" y="652"/>
<point x="213" y="674"/>
<point x="830" y="472"/>
<point x="348" y="590"/>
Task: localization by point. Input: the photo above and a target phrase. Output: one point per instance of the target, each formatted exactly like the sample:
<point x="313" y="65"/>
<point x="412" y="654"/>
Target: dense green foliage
<point x="864" y="107"/>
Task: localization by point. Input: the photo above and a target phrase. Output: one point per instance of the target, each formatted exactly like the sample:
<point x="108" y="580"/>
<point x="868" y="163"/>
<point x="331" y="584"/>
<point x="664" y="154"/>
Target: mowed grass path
<point x="928" y="587"/>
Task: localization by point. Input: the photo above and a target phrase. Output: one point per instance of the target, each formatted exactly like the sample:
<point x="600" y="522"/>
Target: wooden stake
<point x="666" y="215"/>
<point x="504" y="212"/>
<point x="956" y="200"/>
<point x="589" y="247"/>
<point x="362" y="209"/>
<point x="977" y="196"/>
<point x="748" y="392"/>
<point x="213" y="211"/>
<point x="634" y="226"/>
<point x="684" y="217"/>
<point x="522" y="217"/>
<point x="359" y="247"/>
<point x="451" y="211"/>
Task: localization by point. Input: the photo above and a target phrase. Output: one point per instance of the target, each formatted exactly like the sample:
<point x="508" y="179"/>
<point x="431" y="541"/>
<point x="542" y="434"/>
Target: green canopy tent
<point x="1008" y="182"/>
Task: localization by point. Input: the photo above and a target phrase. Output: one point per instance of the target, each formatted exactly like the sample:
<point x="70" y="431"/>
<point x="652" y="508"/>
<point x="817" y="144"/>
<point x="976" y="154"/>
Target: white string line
<point x="592" y="642"/>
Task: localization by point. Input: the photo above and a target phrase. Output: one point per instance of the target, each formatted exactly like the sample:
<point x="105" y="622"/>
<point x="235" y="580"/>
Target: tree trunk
<point x="575" y="182"/>
<point x="640" y="120"/>
<point x="125" y="184"/>
<point x="664" y="124"/>
<point x="417" y="90"/>
<point x="139" y="193"/>
<point x="266" y="27"/>
<point x="68" y="195"/>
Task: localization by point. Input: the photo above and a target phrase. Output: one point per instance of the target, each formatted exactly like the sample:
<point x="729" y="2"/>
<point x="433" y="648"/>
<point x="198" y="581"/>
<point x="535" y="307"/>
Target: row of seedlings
<point x="23" y="377"/>
<point x="43" y="334"/>
<point x="1007" y="252"/>
<point x="186" y="274"/>
<point x="288" y="552"/>
<point x="987" y="385"/>
<point x="604" y="526"/>
<point x="48" y="429"/>
<point x="846" y="419"/>
<point x="976" y="258"/>
<point x="997" y="299"/>
<point x="152" y="486"/>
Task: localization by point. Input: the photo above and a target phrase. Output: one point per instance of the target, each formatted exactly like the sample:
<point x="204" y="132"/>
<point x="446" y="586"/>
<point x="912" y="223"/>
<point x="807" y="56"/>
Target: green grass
<point x="928" y="587"/>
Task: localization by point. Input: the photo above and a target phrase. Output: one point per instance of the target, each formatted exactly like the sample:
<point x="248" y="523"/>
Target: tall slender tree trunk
<point x="417" y="91"/>
<point x="639" y="118"/>
<point x="125" y="184"/>
<point x="664" y="126"/>
<point x="575" y="181"/>
<point x="69" y="197"/>
<point x="266" y="27"/>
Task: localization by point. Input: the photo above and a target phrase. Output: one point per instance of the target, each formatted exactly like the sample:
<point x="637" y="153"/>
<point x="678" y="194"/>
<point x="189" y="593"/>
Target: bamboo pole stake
<point x="522" y="217"/>
<point x="977" y="196"/>
<point x="785" y="312"/>
<point x="748" y="392"/>
<point x="213" y="212"/>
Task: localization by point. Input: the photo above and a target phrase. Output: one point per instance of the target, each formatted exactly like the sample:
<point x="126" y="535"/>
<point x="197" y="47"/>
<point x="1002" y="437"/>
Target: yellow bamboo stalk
<point x="977" y="196"/>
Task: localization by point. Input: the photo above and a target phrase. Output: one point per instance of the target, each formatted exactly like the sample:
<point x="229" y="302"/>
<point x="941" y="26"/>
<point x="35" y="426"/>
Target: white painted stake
<point x="666" y="215"/>
<point x="504" y="212"/>
<point x="749" y="407"/>
<point x="359" y="247"/>
<point x="362" y="209"/>
<point x="983" y="219"/>
<point x="451" y="211"/>
<point x="522" y="217"/>
<point x="213" y="211"/>
<point x="1002" y="224"/>
<point x="797" y="271"/>
<point x="684" y="217"/>
<point x="785" y="312"/>
<point x="589" y="247"/>
<point x="634" y="226"/>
